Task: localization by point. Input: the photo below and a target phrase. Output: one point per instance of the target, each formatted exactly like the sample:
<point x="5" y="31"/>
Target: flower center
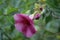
<point x="26" y="22"/>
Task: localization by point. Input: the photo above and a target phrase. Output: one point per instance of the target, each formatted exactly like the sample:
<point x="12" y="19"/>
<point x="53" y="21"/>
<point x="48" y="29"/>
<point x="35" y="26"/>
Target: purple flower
<point x="24" y="24"/>
<point x="37" y="16"/>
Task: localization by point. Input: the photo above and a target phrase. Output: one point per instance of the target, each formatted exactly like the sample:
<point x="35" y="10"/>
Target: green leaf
<point x="10" y="10"/>
<point x="53" y="26"/>
<point x="55" y="6"/>
<point x="48" y="18"/>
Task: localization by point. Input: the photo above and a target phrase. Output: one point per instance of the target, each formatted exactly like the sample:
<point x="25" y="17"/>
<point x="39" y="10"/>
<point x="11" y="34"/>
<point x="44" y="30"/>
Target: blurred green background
<point x="48" y="26"/>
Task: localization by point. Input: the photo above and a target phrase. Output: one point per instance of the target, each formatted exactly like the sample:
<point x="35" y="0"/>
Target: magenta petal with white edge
<point x="24" y="24"/>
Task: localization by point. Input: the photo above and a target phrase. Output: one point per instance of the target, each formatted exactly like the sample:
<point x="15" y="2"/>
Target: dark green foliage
<point x="48" y="26"/>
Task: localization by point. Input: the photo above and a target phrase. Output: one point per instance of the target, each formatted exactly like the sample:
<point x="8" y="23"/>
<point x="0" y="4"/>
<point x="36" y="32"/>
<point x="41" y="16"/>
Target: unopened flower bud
<point x="37" y="16"/>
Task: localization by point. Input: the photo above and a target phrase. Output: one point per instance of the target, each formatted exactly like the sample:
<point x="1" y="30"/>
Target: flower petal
<point x="24" y="24"/>
<point x="19" y="26"/>
<point x="29" y="33"/>
<point x="17" y="17"/>
<point x="32" y="29"/>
